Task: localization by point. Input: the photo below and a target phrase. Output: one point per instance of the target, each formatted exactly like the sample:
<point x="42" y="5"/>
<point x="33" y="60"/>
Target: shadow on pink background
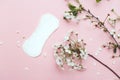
<point x="19" y="18"/>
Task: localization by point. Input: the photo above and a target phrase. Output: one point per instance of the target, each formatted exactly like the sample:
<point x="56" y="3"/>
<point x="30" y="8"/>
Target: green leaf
<point x="98" y="1"/>
<point x="75" y="13"/>
<point x="71" y="7"/>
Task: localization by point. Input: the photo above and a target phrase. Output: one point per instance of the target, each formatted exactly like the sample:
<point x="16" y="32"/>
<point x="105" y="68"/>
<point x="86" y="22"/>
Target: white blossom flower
<point x="71" y="63"/>
<point x="68" y="51"/>
<point x="113" y="33"/>
<point x="66" y="38"/>
<point x="66" y="47"/>
<point x="55" y="55"/>
<point x="59" y="61"/>
<point x="76" y="67"/>
<point x="83" y="54"/>
<point x="118" y="35"/>
<point x="68" y="16"/>
<point x="75" y="54"/>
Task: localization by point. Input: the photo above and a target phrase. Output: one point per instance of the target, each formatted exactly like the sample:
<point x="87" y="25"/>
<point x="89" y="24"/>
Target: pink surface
<point x="23" y="15"/>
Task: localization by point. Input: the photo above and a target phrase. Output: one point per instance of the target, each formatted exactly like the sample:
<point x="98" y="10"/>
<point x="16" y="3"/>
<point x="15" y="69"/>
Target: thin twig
<point x="104" y="65"/>
<point x="88" y="11"/>
<point x="102" y="23"/>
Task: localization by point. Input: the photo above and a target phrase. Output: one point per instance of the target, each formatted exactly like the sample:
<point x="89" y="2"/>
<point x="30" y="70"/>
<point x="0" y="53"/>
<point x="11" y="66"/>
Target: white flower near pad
<point x="34" y="44"/>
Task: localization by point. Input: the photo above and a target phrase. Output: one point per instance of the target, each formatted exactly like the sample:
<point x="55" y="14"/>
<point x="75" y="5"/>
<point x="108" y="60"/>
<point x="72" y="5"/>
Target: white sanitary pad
<point x="34" y="44"/>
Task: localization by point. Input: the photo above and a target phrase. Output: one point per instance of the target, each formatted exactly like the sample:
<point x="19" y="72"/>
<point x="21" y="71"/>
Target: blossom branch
<point x="73" y="13"/>
<point x="102" y="24"/>
<point x="72" y="52"/>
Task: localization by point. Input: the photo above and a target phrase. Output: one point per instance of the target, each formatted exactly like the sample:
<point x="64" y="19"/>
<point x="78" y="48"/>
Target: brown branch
<point x="88" y="11"/>
<point x="101" y="23"/>
<point x="104" y="65"/>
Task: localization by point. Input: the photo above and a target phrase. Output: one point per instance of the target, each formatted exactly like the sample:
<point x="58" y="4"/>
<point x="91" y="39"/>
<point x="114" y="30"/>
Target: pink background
<point x="19" y="18"/>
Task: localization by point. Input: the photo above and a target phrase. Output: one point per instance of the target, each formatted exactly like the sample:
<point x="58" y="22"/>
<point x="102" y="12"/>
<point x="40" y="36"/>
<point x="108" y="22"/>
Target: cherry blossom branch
<point x="75" y="11"/>
<point x="72" y="52"/>
<point x="103" y="25"/>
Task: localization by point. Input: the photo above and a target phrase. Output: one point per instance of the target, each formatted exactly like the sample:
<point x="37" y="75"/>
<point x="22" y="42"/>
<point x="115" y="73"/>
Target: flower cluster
<point x="70" y="53"/>
<point x="72" y="14"/>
